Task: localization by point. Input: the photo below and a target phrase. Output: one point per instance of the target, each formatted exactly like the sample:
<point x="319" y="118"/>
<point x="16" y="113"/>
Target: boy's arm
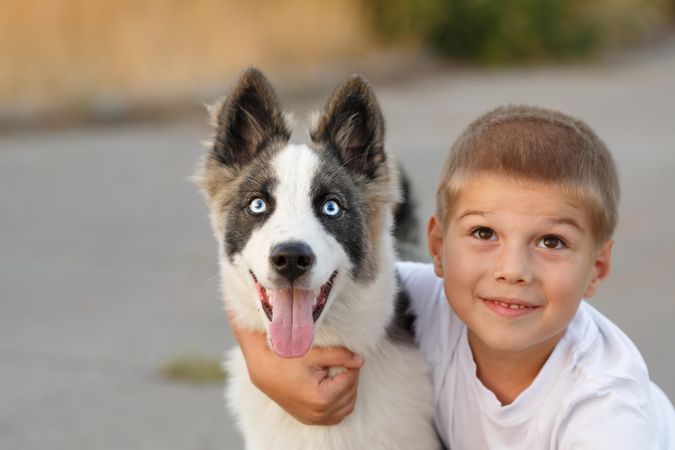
<point x="301" y="386"/>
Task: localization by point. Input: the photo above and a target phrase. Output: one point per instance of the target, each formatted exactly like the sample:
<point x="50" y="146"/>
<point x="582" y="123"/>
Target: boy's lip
<point x="509" y="307"/>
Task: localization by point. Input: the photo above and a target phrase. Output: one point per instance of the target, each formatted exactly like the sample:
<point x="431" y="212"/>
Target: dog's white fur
<point x="394" y="408"/>
<point x="394" y="403"/>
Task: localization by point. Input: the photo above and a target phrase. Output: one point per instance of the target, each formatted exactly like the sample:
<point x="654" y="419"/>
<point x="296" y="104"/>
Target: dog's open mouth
<point x="320" y="296"/>
<point x="292" y="313"/>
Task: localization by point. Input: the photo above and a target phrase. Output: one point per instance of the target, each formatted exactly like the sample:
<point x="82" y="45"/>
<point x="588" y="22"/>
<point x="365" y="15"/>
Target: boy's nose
<point x="512" y="266"/>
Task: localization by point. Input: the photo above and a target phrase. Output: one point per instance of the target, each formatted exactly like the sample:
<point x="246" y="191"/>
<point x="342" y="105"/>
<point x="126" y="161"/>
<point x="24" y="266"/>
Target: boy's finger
<point x="333" y="389"/>
<point x="342" y="408"/>
<point x="336" y="357"/>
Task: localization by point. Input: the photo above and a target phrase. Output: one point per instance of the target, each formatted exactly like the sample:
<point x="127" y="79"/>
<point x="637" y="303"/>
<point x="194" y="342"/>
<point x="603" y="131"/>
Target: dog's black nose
<point x="291" y="259"/>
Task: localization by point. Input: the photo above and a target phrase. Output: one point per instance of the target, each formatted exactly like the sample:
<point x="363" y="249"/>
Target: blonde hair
<point x="536" y="145"/>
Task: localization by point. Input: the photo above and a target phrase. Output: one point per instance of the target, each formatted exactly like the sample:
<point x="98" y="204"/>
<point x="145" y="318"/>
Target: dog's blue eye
<point x="331" y="208"/>
<point x="257" y="206"/>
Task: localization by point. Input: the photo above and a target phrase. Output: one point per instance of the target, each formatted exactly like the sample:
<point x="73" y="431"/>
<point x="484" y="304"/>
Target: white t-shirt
<point x="593" y="392"/>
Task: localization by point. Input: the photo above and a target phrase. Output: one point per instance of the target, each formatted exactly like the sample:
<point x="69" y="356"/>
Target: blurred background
<point x="111" y="324"/>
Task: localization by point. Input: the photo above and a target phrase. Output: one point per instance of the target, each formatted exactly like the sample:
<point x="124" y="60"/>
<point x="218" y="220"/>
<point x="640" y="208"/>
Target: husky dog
<point x="306" y="256"/>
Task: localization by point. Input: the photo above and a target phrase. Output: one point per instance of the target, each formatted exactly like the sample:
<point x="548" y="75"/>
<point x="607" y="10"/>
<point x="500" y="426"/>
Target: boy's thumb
<point x="341" y="357"/>
<point x="358" y="360"/>
<point x="350" y="367"/>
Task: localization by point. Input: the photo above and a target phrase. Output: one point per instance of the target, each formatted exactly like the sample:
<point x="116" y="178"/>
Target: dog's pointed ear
<point x="352" y="126"/>
<point x="249" y="117"/>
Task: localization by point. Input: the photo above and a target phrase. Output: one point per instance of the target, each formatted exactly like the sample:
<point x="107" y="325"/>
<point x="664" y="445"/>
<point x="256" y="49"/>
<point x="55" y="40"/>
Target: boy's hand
<point x="302" y="386"/>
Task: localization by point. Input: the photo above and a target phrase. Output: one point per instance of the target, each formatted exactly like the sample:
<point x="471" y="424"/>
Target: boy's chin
<point x="510" y="343"/>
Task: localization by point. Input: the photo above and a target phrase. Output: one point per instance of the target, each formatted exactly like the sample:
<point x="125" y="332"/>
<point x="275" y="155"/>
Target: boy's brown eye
<point x="552" y="242"/>
<point x="484" y="233"/>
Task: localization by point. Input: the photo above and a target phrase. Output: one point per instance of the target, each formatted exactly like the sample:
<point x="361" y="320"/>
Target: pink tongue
<point x="292" y="327"/>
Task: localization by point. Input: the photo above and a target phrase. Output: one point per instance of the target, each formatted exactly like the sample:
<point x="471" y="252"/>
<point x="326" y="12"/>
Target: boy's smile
<point x="509" y="307"/>
<point x="517" y="258"/>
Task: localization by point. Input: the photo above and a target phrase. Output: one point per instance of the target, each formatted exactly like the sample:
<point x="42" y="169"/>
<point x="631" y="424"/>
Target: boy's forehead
<point x="497" y="196"/>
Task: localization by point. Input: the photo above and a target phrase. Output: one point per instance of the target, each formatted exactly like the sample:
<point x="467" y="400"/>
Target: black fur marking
<point x="406" y="225"/>
<point x="249" y="120"/>
<point x="401" y="329"/>
<point x="352" y="127"/>
<point x="332" y="181"/>
<point x="260" y="181"/>
<point x="405" y="220"/>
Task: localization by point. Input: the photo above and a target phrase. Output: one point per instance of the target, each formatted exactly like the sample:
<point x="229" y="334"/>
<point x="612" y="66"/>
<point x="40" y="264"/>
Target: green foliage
<point x="505" y="31"/>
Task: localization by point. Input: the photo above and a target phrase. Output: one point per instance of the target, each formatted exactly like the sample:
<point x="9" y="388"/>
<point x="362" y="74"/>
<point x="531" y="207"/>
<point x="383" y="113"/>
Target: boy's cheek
<point x="461" y="270"/>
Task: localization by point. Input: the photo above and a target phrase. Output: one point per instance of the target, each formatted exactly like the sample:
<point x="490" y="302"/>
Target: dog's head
<point x="296" y="224"/>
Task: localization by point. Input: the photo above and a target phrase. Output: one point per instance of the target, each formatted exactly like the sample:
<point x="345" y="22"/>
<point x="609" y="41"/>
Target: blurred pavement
<point x="107" y="261"/>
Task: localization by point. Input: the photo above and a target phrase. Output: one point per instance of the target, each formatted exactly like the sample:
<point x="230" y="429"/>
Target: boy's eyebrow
<point x="474" y="212"/>
<point x="553" y="220"/>
<point x="566" y="221"/>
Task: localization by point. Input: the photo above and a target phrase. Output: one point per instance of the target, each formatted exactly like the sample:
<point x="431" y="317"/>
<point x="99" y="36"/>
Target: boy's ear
<point x="601" y="267"/>
<point x="435" y="242"/>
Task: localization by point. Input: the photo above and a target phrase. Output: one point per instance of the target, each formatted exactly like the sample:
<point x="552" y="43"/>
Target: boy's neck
<point x="507" y="374"/>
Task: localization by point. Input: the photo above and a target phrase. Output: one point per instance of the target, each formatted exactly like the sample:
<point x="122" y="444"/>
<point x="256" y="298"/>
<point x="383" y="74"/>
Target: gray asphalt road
<point x="107" y="261"/>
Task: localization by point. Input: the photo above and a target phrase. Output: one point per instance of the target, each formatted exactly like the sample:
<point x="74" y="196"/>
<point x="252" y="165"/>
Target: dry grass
<point x="194" y="369"/>
<point x="73" y="50"/>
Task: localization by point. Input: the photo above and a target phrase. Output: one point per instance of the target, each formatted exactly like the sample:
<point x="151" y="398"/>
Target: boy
<point x="526" y="209"/>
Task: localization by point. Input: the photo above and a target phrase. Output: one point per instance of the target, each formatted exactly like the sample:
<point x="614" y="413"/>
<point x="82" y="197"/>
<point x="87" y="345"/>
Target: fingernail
<point x="358" y="358"/>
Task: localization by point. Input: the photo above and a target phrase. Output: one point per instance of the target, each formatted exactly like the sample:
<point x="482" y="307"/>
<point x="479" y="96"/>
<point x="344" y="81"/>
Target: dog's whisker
<point x="207" y="281"/>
